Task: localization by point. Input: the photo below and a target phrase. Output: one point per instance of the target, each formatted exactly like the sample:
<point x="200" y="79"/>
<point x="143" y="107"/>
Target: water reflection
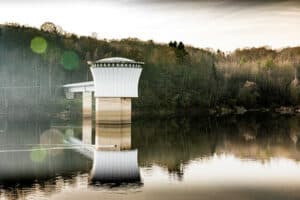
<point x="113" y="137"/>
<point x="86" y="130"/>
<point x="114" y="161"/>
<point x="250" y="157"/>
<point x="32" y="162"/>
<point x="174" y="143"/>
<point x="27" y="153"/>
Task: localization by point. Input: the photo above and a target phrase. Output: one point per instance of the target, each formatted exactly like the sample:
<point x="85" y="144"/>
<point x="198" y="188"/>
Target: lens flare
<point x="38" y="155"/>
<point x="38" y="45"/>
<point x="52" y="137"/>
<point x="70" y="60"/>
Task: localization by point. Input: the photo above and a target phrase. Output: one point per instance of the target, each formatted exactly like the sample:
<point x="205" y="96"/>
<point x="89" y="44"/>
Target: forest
<point x="176" y="78"/>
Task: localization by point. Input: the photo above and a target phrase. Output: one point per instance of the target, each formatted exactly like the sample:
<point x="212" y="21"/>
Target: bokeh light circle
<point x="38" y="45"/>
<point x="38" y="155"/>
<point x="70" y="60"/>
<point x="52" y="137"/>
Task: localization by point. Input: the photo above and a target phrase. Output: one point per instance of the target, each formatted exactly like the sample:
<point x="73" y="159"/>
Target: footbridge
<point x="79" y="87"/>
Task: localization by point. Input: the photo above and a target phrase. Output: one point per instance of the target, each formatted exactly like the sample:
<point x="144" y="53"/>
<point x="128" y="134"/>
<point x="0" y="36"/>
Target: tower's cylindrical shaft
<point x="113" y="110"/>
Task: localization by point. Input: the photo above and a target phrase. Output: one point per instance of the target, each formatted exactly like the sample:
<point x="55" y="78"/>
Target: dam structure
<point x="115" y="83"/>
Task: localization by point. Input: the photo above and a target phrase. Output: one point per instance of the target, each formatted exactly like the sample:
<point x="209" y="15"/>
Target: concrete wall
<point x="113" y="110"/>
<point x="87" y="104"/>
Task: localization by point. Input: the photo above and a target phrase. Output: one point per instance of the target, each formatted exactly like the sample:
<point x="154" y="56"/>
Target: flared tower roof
<point x="115" y="62"/>
<point x="116" y="77"/>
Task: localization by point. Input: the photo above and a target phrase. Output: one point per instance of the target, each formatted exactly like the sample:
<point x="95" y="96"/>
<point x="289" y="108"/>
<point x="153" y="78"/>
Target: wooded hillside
<point x="34" y="63"/>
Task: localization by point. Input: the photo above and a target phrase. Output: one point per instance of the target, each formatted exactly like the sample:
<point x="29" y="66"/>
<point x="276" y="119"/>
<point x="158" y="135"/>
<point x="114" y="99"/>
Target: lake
<point x="253" y="156"/>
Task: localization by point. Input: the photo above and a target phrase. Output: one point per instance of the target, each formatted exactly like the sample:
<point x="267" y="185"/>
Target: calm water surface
<point x="245" y="157"/>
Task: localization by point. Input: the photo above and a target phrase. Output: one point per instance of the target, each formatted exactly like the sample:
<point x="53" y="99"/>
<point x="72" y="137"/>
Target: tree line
<point x="176" y="77"/>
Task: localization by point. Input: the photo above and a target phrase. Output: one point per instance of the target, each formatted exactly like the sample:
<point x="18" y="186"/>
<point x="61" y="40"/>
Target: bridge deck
<point x="80" y="87"/>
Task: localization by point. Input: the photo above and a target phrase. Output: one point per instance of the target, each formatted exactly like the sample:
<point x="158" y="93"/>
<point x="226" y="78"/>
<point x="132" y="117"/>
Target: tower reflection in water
<point x="38" y="158"/>
<point x="113" y="159"/>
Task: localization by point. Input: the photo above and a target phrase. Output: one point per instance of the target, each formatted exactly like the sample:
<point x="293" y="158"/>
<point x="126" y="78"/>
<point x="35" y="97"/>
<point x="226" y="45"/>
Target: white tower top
<point x="117" y="60"/>
<point x="116" y="77"/>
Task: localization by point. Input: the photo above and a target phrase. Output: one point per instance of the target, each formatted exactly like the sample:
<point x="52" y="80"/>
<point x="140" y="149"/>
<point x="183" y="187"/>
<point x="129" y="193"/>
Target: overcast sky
<point x="217" y="24"/>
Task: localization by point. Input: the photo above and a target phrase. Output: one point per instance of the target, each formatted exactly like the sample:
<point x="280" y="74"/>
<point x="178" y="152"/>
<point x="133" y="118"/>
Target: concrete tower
<point x="115" y="83"/>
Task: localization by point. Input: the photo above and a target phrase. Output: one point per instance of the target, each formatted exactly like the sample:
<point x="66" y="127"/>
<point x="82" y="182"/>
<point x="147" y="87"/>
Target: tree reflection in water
<point x="173" y="144"/>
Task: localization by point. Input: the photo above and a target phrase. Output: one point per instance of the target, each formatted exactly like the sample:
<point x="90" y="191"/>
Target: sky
<point x="216" y="24"/>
